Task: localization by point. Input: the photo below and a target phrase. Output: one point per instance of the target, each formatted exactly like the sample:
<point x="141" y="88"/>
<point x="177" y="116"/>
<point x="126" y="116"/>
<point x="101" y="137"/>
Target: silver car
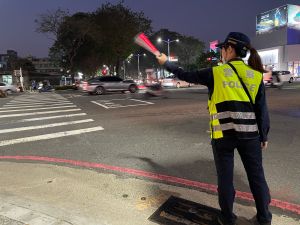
<point x="173" y="82"/>
<point x="8" y="88"/>
<point x="100" y="85"/>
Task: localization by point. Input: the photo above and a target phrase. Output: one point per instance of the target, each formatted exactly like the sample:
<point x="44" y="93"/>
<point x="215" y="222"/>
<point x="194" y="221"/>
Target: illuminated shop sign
<point x="294" y="16"/>
<point x="271" y="20"/>
<point x="212" y="45"/>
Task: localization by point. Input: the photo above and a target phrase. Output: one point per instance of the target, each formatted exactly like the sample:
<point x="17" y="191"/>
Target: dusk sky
<point x="206" y="20"/>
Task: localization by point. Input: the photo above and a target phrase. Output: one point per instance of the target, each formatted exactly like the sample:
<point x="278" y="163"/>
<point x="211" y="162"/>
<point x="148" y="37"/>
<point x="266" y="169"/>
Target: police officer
<point x="238" y="120"/>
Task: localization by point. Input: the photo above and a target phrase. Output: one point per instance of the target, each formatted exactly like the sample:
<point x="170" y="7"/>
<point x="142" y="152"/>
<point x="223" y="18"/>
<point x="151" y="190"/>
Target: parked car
<point x="8" y="88"/>
<point x="100" y="85"/>
<point x="173" y="81"/>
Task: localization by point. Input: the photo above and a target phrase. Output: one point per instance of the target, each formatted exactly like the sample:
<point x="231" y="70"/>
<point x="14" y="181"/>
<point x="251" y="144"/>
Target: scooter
<point x="45" y="89"/>
<point x="275" y="82"/>
<point x="154" y="90"/>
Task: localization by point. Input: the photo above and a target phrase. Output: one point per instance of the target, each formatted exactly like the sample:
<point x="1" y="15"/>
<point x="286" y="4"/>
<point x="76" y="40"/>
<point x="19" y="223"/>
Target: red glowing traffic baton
<point x="142" y="40"/>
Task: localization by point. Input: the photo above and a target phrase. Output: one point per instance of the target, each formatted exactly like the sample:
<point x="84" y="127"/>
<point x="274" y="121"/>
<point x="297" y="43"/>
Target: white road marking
<point x="31" y="106"/>
<point x="56" y="107"/>
<point x="38" y="113"/>
<point x="10" y="130"/>
<point x="150" y="103"/>
<point x="111" y="105"/>
<point x="43" y="118"/>
<point x="97" y="103"/>
<point x="33" y="102"/>
<point x="49" y="136"/>
<point x="51" y="117"/>
<point x="124" y="106"/>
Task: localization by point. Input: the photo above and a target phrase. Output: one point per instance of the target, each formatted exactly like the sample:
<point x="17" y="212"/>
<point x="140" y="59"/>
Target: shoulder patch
<point x="249" y="74"/>
<point x="228" y="72"/>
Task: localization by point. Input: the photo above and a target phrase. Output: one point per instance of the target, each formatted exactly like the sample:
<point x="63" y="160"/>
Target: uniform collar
<point x="236" y="59"/>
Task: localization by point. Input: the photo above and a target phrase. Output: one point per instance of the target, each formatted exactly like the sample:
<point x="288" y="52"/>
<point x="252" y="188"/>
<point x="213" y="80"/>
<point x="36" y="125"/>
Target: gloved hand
<point x="264" y="145"/>
<point x="162" y="58"/>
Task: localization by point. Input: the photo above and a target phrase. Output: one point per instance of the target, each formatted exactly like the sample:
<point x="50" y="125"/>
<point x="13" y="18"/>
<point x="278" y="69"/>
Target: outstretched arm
<point x="203" y="76"/>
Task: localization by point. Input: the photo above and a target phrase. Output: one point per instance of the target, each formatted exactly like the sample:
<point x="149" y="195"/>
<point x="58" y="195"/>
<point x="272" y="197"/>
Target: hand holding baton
<point x="142" y="40"/>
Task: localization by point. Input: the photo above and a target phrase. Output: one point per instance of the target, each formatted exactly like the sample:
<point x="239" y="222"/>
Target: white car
<point x="282" y="76"/>
<point x="8" y="88"/>
<point x="173" y="81"/>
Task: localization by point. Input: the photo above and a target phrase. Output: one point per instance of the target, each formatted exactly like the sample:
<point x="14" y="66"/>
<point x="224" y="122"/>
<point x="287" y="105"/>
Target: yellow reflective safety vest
<point x="230" y="109"/>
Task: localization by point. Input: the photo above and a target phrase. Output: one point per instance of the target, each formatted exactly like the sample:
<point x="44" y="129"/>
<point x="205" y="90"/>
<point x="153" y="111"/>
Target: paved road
<point x="167" y="136"/>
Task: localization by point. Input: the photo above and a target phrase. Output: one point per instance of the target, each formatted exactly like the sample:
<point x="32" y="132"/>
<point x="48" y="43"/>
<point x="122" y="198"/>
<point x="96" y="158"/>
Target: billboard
<point x="272" y="20"/>
<point x="294" y="17"/>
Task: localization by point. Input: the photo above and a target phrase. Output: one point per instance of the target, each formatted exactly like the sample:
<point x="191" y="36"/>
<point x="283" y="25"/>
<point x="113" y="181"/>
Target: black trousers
<point x="251" y="156"/>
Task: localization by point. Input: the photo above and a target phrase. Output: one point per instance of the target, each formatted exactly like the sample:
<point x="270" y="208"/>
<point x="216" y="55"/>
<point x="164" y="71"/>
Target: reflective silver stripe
<point x="237" y="127"/>
<point x="234" y="115"/>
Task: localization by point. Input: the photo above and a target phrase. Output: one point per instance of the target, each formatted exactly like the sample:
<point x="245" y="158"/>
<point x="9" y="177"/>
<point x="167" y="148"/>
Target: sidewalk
<point x="40" y="194"/>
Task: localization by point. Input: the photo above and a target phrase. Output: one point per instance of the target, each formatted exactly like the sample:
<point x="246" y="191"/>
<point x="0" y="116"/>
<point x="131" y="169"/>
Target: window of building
<point x="294" y="67"/>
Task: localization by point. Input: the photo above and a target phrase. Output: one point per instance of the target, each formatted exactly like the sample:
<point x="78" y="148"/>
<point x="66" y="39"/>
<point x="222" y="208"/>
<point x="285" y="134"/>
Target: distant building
<point x="6" y="74"/>
<point x="45" y="69"/>
<point x="5" y="58"/>
<point x="45" y="66"/>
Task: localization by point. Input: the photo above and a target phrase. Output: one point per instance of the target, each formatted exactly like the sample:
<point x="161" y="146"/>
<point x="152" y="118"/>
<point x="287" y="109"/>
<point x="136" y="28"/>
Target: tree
<point x="118" y="26"/>
<point x="73" y="34"/>
<point x="187" y="49"/>
<point x="208" y="59"/>
<point x="50" y="22"/>
<point x="84" y="41"/>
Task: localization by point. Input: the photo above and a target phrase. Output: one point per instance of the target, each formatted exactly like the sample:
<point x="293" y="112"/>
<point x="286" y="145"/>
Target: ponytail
<point x="254" y="61"/>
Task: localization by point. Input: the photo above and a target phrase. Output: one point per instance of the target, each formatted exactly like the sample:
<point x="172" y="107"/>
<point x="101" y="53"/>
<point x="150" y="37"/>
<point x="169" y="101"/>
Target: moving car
<point x="283" y="76"/>
<point x="277" y="78"/>
<point x="173" y="81"/>
<point x="100" y="85"/>
<point x="8" y="88"/>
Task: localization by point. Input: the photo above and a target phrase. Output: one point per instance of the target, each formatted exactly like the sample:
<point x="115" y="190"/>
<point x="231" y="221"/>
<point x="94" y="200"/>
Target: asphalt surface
<point x="160" y="135"/>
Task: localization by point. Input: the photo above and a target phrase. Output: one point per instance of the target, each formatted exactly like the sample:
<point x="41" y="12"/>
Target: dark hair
<point x="254" y="61"/>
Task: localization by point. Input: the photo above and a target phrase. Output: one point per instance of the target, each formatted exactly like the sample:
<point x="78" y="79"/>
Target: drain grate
<point x="178" y="211"/>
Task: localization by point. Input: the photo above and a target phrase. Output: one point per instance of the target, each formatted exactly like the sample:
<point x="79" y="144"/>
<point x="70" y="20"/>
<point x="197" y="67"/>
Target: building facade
<point x="45" y="66"/>
<point x="6" y="74"/>
<point x="278" y="38"/>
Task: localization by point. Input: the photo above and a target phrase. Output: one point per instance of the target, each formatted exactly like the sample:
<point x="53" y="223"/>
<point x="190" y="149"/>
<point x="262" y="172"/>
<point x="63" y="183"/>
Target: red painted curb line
<point x="295" y="208"/>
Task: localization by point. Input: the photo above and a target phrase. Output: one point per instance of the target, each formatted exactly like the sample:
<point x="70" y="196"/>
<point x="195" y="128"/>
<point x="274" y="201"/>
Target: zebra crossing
<point x="38" y="113"/>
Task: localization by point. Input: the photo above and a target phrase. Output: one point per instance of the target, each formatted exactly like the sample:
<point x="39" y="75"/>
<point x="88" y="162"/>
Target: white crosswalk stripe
<point x="17" y="106"/>
<point x="9" y="130"/>
<point x="49" y="136"/>
<point x="36" y="111"/>
<point x="47" y="108"/>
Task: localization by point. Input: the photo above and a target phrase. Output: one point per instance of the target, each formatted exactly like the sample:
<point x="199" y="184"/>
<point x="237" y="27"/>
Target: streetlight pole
<point x="168" y="41"/>
<point x="139" y="73"/>
<point x="138" y="60"/>
<point x="124" y="70"/>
